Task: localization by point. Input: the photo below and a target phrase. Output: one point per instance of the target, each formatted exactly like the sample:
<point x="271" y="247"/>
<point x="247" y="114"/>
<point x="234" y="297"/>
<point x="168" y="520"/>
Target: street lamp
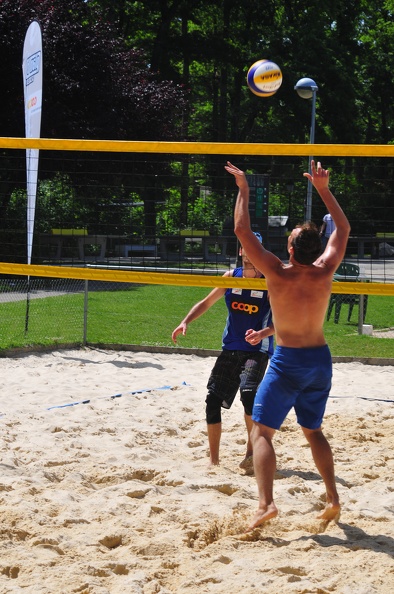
<point x="307" y="88"/>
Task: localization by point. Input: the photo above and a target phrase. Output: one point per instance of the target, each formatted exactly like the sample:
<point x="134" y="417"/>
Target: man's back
<point x="299" y="296"/>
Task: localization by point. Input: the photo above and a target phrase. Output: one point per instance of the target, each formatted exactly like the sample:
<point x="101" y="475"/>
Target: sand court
<point x="105" y="485"/>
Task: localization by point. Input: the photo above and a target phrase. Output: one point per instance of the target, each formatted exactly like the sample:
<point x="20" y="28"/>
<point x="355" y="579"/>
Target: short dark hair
<point x="307" y="244"/>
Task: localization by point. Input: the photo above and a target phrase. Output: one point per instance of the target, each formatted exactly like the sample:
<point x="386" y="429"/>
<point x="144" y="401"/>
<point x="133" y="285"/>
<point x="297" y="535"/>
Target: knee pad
<point x="213" y="412"/>
<point x="247" y="399"/>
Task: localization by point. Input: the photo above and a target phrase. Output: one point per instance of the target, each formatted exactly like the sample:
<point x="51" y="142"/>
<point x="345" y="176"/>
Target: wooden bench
<point x="98" y="241"/>
<point x="82" y="239"/>
<point x="75" y="240"/>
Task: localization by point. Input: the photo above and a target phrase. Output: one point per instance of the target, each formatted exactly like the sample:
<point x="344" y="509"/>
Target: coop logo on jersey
<point x="246" y="307"/>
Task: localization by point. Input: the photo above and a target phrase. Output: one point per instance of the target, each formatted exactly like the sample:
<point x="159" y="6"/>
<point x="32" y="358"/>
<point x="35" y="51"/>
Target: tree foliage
<point x="346" y="46"/>
<point x="175" y="69"/>
<point x="95" y="86"/>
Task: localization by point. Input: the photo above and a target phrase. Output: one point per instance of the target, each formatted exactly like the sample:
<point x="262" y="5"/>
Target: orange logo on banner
<point x="32" y="102"/>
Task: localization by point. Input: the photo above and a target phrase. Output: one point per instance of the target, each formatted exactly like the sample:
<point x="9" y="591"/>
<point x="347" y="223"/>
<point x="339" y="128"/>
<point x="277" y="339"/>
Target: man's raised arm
<point x="257" y="254"/>
<point x="336" y="246"/>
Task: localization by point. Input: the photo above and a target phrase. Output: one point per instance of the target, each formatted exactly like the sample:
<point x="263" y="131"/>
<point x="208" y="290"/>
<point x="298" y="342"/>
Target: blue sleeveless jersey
<point x="247" y="309"/>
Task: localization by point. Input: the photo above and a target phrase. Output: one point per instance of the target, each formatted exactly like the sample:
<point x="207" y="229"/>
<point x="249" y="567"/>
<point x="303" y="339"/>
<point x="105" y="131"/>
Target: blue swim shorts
<point x="299" y="378"/>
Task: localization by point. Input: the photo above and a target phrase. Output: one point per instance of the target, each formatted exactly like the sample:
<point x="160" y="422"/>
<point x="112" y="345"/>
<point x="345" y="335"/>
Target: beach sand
<point x="105" y="485"/>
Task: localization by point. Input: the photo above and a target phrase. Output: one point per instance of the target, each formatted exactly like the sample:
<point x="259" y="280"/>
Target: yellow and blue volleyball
<point x="264" y="78"/>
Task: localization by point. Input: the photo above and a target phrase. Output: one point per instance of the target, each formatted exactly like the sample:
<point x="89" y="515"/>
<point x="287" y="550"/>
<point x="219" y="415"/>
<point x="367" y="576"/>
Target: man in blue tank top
<point x="247" y="345"/>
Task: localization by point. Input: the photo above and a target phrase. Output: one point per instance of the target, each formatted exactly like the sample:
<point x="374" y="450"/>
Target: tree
<point x="176" y="69"/>
<point x="95" y="87"/>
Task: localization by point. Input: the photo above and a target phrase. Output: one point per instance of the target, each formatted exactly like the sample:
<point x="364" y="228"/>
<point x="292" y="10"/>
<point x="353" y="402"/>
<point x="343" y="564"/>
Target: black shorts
<point x="235" y="370"/>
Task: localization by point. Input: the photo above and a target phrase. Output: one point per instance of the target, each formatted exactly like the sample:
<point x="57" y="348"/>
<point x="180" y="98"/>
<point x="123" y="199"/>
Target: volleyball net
<point x="161" y="213"/>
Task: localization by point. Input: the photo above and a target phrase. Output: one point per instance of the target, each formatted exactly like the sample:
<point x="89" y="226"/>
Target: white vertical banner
<point x="32" y="86"/>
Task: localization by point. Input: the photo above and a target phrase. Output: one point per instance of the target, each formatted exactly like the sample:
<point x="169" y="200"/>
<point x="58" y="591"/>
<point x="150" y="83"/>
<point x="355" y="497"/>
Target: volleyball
<point x="264" y="78"/>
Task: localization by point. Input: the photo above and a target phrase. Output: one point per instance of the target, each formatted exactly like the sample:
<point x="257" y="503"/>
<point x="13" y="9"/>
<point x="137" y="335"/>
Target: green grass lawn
<point x="146" y="315"/>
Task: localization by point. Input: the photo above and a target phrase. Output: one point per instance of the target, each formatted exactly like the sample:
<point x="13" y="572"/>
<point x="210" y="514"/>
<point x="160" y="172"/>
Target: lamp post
<point x="307" y="89"/>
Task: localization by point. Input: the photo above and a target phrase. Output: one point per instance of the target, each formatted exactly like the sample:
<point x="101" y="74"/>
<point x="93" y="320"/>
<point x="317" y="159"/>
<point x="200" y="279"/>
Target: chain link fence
<point x="162" y="213"/>
<point x="47" y="313"/>
<point x="50" y="312"/>
<point x="41" y="312"/>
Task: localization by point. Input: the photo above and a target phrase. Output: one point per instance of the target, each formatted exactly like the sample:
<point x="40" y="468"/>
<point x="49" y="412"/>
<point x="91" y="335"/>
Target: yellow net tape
<point x="207" y="148"/>
<point x="183" y="280"/>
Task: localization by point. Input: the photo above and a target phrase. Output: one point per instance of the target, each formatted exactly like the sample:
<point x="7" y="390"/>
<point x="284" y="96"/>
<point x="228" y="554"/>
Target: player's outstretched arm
<point x="261" y="258"/>
<point x="198" y="310"/>
<point x="336" y="246"/>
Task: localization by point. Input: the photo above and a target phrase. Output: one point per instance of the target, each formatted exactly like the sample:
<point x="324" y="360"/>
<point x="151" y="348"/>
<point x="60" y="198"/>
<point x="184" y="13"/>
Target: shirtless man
<point x="300" y="372"/>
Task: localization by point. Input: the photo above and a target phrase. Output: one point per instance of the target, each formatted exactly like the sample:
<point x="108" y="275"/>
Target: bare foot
<point x="247" y="462"/>
<point x="263" y="515"/>
<point x="331" y="512"/>
<point x="213" y="463"/>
